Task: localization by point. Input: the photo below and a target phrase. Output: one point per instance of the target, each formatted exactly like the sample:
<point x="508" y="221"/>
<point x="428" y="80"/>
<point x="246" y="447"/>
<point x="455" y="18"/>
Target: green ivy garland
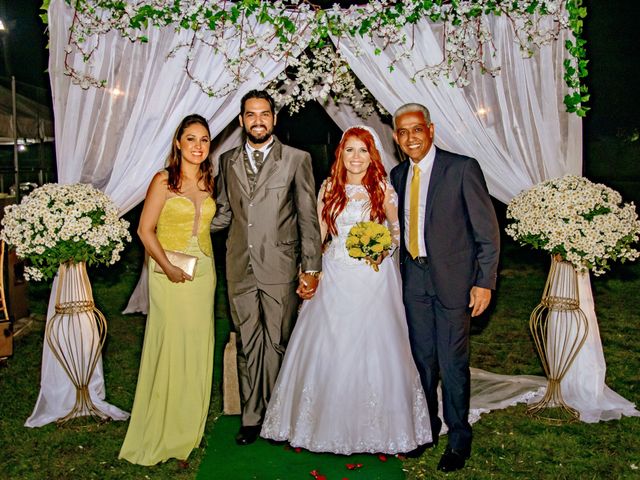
<point x="575" y="69"/>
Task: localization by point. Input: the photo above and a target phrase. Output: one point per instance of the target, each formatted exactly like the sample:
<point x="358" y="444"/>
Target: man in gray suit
<point x="266" y="194"/>
<point x="449" y="261"/>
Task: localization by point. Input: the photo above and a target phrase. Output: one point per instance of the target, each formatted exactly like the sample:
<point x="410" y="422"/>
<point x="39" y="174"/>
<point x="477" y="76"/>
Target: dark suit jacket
<point x="460" y="229"/>
<point x="276" y="226"/>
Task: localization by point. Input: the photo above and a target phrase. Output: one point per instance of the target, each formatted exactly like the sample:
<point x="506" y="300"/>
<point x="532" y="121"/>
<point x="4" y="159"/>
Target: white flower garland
<point x="318" y="76"/>
<point x="467" y="39"/>
<point x="57" y="223"/>
<point x="586" y="223"/>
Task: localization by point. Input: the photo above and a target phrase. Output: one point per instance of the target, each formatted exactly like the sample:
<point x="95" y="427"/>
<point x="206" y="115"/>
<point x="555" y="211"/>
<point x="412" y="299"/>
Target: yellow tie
<point x="414" y="209"/>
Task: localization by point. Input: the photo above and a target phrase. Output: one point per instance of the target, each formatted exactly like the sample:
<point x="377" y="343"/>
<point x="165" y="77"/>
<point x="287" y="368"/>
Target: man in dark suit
<point x="266" y="194"/>
<point x="448" y="260"/>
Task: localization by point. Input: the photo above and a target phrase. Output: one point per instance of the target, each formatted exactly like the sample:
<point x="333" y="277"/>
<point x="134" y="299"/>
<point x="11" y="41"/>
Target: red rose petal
<point x="298" y="450"/>
<point x="382" y="457"/>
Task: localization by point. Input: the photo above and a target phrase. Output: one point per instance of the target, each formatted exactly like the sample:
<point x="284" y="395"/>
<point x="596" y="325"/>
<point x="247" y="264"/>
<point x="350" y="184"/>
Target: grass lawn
<point x="508" y="444"/>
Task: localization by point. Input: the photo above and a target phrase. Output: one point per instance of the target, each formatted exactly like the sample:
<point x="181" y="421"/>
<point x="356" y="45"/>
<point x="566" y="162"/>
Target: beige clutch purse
<point x="187" y="263"/>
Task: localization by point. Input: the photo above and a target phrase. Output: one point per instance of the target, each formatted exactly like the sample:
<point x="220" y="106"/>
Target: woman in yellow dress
<point x="174" y="382"/>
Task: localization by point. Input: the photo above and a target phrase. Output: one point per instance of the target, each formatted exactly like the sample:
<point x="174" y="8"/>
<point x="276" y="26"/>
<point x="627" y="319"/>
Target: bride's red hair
<point x="335" y="196"/>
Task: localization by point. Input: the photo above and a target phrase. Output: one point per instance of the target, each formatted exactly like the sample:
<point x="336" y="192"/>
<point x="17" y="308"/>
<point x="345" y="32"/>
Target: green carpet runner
<point x="224" y="460"/>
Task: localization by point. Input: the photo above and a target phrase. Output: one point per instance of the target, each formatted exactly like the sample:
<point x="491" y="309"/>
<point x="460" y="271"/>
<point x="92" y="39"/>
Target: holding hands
<point x="307" y="284"/>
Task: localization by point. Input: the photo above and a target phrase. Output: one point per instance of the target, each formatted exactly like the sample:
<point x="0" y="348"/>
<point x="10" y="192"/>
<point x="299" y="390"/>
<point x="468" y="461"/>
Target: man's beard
<point x="261" y="139"/>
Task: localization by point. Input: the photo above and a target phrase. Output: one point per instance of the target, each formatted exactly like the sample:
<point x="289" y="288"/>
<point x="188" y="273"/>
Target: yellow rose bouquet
<point x="368" y="241"/>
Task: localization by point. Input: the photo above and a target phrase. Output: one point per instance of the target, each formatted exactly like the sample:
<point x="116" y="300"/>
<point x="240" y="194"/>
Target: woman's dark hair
<point x="175" y="157"/>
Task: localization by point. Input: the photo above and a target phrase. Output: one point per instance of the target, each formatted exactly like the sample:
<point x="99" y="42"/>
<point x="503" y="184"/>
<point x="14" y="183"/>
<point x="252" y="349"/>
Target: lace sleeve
<point x="391" y="211"/>
<point x="323" y="225"/>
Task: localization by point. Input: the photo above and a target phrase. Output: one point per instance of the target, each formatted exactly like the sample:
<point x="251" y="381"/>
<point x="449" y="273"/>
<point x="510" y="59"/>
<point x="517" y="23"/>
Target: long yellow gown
<point x="174" y="382"/>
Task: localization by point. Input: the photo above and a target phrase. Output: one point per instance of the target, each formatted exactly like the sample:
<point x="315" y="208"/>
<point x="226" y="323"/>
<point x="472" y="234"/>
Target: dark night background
<point x="610" y="128"/>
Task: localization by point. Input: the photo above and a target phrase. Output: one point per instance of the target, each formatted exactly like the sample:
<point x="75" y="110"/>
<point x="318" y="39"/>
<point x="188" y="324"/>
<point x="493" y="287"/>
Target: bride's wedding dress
<point x="348" y="382"/>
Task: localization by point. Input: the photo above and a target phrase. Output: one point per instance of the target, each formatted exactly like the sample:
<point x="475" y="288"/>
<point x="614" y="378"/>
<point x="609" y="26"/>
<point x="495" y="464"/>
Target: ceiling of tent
<point x="35" y="120"/>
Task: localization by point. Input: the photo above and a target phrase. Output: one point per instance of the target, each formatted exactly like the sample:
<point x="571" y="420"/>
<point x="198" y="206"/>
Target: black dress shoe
<point x="248" y="435"/>
<point x="419" y="450"/>
<point x="452" y="460"/>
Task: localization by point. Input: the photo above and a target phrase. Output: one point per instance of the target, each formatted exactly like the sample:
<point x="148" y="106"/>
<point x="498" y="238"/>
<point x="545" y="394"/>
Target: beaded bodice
<point x="358" y="210"/>
<point x="176" y="223"/>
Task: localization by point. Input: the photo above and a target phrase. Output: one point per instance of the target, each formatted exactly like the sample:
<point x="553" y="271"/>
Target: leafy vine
<point x="299" y="33"/>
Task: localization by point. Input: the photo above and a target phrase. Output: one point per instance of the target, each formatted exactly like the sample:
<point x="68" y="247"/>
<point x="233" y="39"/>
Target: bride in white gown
<point x="348" y="382"/>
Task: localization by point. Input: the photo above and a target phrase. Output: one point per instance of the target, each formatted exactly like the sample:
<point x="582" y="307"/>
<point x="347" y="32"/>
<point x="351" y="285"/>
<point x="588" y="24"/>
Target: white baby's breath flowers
<point x="586" y="223"/>
<point x="242" y="34"/>
<point x="57" y="223"/>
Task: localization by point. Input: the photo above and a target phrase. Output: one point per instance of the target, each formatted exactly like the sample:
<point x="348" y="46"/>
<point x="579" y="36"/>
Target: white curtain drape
<point x="118" y="137"/>
<point x="584" y="387"/>
<point x="515" y="124"/>
<point x="57" y="394"/>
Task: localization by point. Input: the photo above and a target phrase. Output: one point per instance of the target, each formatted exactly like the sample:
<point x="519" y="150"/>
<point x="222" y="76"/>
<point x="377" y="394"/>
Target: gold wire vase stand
<point x="76" y="335"/>
<point x="559" y="328"/>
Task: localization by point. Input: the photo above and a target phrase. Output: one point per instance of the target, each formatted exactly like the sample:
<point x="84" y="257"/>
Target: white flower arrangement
<point x="56" y="224"/>
<point x="584" y="222"/>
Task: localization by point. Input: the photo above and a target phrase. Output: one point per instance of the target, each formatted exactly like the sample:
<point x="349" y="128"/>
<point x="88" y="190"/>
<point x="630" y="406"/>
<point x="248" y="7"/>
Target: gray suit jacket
<point x="460" y="229"/>
<point x="276" y="226"/>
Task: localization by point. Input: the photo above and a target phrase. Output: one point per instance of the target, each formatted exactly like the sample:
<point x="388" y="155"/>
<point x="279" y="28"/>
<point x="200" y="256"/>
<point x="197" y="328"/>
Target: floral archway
<point x="495" y="74"/>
